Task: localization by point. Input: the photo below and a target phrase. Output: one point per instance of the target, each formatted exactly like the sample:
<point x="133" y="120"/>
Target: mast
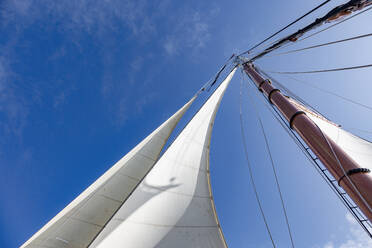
<point x="356" y="183"/>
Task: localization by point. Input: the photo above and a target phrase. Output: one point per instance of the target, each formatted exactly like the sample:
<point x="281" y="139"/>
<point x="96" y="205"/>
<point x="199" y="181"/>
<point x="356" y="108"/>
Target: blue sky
<point x="82" y="82"/>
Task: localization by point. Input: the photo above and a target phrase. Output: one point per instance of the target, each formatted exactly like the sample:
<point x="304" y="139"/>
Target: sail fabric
<point x="360" y="150"/>
<point x="80" y="222"/>
<point x="173" y="205"/>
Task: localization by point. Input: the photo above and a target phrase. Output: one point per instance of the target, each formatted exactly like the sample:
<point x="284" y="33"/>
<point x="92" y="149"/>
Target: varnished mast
<point x="331" y="155"/>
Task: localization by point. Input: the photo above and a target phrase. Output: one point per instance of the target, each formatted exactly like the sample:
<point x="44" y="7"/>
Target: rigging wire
<point x="302" y="147"/>
<point x="298" y="98"/>
<point x="274" y="172"/>
<point x="343" y="170"/>
<point x="288" y="91"/>
<point x="341" y="9"/>
<point x="345" y="201"/>
<point x="337" y="23"/>
<point x="209" y="84"/>
<point x="321" y="45"/>
<point x="320" y="31"/>
<point x="295" y="21"/>
<point x="250" y="167"/>
<point x="329" y="92"/>
<point x="326" y="70"/>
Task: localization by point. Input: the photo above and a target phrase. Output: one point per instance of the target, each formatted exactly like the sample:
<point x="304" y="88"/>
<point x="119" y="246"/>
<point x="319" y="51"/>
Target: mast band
<point x="353" y="171"/>
<point x="294" y="116"/>
<point x="263" y="81"/>
<point x="271" y="92"/>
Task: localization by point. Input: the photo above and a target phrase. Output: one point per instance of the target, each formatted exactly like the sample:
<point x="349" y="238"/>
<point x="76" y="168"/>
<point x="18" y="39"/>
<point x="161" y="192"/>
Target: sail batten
<point x="83" y="219"/>
<point x="173" y="205"/>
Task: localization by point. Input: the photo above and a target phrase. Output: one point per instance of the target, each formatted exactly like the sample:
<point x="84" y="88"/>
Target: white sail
<point x="79" y="223"/>
<point x="173" y="205"/>
<point x="360" y="150"/>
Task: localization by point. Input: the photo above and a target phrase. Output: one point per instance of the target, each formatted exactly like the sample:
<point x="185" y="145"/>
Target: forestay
<point x="80" y="222"/>
<point x="173" y="205"/>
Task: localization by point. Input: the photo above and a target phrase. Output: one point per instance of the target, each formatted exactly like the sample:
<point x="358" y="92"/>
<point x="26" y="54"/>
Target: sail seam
<point x="162" y="225"/>
<point x="130" y="177"/>
<point x="185" y="194"/>
<point x="140" y="153"/>
<point x="86" y="222"/>
<point x="109" y="198"/>
<point x="188" y="166"/>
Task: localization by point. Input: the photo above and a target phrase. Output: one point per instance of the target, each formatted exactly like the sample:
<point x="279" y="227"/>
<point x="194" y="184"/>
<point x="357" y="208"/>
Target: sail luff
<point x="80" y="221"/>
<point x="172" y="206"/>
<point x="334" y="158"/>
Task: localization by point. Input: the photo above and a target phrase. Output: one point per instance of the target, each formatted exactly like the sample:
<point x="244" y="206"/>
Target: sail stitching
<point x="86" y="222"/>
<point x="110" y="198"/>
<point x="185" y="194"/>
<point x="163" y="225"/>
<point x="188" y="166"/>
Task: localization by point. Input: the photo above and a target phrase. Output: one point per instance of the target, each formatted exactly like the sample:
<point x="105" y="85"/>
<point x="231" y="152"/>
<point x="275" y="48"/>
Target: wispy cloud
<point x="142" y="102"/>
<point x="191" y="31"/>
<point x="187" y="26"/>
<point x="12" y="106"/>
<point x="121" y="113"/>
<point x="173" y="29"/>
<point x="356" y="238"/>
<point x="170" y="46"/>
<point x="89" y="16"/>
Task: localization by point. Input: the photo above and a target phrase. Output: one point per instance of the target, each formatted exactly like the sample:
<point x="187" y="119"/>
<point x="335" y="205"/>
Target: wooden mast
<point x="323" y="147"/>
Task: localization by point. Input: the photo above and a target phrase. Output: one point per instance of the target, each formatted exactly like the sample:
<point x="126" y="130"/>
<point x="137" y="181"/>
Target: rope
<point x="209" y="84"/>
<point x="319" y="71"/>
<point x="331" y="93"/>
<point x="291" y="133"/>
<point x="298" y="19"/>
<point x="351" y="6"/>
<point x="311" y="35"/>
<point x="344" y="20"/>
<point x="288" y="91"/>
<point x="250" y="167"/>
<point x="343" y="170"/>
<point x="274" y="171"/>
<point x="339" y="164"/>
<point x="321" y="45"/>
